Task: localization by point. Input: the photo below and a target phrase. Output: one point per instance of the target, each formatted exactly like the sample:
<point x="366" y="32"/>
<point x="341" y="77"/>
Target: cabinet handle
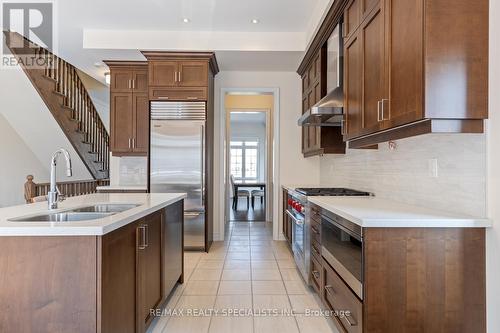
<point x="130" y="84"/>
<point x="133" y="143"/>
<point x="192" y="98"/>
<point x="315" y="230"/>
<point x="129" y="143"/>
<point x="180" y="77"/>
<point x="146" y="235"/>
<point x="342" y="127"/>
<point x="162" y="97"/>
<point x="351" y="323"/>
<point x="142" y="237"/>
<point x="133" y="84"/>
<point x="329" y="290"/>
<point x="379" y="118"/>
<point x="316" y="274"/>
<point x="316" y="250"/>
<point x="382" y="102"/>
<point x="175" y="76"/>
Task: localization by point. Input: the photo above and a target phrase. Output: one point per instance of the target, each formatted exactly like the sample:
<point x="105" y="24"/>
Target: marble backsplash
<point x="406" y="174"/>
<point x="127" y="171"/>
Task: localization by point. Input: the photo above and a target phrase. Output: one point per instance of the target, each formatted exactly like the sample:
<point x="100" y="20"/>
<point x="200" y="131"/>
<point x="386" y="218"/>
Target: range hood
<point x="329" y="111"/>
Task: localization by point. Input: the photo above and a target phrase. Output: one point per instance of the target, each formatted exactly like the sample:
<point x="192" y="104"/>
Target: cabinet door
<point x="121" y="80"/>
<point x="173" y="243"/>
<point x="374" y="74"/>
<point x="118" y="287"/>
<point x="352" y="17"/>
<point x="149" y="256"/>
<point x="163" y="73"/>
<point x="140" y="83"/>
<point x="141" y="123"/>
<point x="193" y="74"/>
<point x="352" y="86"/>
<point x="404" y="42"/>
<point x="122" y="122"/>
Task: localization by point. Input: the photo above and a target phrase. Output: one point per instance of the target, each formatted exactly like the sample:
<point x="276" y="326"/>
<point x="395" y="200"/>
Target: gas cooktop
<point x="332" y="191"/>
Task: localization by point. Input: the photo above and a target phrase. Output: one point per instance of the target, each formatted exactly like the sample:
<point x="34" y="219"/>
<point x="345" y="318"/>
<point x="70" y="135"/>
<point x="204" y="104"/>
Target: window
<point x="245" y="159"/>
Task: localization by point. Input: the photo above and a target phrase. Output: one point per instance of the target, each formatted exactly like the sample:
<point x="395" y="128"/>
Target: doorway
<point x="248" y="158"/>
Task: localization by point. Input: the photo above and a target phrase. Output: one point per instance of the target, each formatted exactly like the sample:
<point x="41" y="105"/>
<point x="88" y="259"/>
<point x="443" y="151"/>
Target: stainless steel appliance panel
<point x="194" y="230"/>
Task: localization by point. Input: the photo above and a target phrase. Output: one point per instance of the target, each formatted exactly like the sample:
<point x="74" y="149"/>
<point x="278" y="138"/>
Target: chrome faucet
<point x="54" y="196"/>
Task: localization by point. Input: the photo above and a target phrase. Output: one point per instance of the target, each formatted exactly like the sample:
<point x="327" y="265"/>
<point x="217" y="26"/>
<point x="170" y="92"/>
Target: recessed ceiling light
<point x="255" y="21"/>
<point x="185" y="20"/>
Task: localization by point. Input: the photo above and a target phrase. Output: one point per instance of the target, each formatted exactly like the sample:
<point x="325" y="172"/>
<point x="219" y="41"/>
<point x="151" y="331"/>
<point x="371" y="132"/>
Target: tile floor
<point x="249" y="273"/>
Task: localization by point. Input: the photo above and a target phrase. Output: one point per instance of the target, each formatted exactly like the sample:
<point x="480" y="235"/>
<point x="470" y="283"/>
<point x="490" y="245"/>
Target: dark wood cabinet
<point x="193" y="74"/>
<point x="318" y="140"/>
<point x="287" y="221"/>
<point x="129" y="114"/>
<point x="404" y="90"/>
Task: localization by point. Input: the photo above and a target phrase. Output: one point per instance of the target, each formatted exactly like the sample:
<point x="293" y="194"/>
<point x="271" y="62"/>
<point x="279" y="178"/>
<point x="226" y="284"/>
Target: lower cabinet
<point x="139" y="269"/>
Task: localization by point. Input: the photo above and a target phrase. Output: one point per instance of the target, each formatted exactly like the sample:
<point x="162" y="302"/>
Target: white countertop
<point x="376" y="212"/>
<point x="293" y="187"/>
<point x="149" y="203"/>
<point x="123" y="188"/>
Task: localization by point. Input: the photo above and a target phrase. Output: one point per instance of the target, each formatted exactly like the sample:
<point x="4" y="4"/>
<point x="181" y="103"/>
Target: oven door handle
<point x="296" y="220"/>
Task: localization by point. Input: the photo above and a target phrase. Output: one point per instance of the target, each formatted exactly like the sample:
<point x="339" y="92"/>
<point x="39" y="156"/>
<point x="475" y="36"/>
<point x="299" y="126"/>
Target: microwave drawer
<point x="338" y="297"/>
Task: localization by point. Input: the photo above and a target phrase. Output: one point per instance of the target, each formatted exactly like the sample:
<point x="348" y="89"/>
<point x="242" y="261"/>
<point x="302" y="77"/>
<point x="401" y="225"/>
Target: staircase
<point x="62" y="90"/>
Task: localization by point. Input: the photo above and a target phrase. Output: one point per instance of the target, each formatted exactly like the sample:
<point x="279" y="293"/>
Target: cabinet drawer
<point x="338" y="297"/>
<point x="316" y="272"/>
<point x="315" y="214"/>
<point x="315" y="233"/>
<point x="178" y="94"/>
<point x="316" y="249"/>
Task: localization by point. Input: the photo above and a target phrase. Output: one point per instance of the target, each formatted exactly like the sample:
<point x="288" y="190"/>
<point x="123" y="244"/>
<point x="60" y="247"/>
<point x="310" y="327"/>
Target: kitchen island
<point x="118" y="257"/>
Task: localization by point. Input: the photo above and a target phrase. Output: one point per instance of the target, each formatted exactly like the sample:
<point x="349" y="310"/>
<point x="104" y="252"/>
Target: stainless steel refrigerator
<point x="177" y="161"/>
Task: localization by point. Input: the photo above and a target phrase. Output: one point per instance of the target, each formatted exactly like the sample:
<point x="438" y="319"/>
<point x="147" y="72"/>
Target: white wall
<point x="247" y="130"/>
<point x="293" y="167"/>
<point x="24" y="110"/>
<point x="99" y="93"/>
<point x="493" y="234"/>
<point x="17" y="161"/>
<point x="403" y="174"/>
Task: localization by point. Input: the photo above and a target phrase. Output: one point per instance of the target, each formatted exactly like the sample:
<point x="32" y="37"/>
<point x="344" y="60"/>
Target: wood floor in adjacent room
<point x="250" y="273"/>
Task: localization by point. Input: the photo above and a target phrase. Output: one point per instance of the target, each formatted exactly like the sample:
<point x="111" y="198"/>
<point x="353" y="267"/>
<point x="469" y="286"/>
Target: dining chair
<point x="260" y="194"/>
<point x="239" y="193"/>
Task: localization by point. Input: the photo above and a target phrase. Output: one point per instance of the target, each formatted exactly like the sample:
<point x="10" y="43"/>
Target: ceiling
<point x="91" y="31"/>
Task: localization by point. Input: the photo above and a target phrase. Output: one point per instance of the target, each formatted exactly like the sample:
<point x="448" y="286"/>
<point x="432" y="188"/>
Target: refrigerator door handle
<point x="202" y="166"/>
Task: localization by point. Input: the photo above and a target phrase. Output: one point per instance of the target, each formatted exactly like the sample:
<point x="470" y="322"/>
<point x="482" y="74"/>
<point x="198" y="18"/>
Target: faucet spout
<point x="53" y="195"/>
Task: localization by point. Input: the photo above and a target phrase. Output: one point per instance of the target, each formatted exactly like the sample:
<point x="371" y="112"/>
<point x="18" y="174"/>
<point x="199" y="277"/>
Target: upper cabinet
<point x="318" y="140"/>
<point x="409" y="68"/>
<point x="129" y="108"/>
<point x="180" y="76"/>
<point x="393" y="89"/>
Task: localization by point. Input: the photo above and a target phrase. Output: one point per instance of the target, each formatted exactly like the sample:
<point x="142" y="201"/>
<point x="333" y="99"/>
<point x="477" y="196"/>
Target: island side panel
<point x="49" y="284"/>
<point x="424" y="280"/>
<point x="173" y="247"/>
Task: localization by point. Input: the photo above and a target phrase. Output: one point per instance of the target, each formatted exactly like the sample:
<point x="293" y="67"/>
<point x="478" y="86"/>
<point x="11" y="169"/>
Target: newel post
<point x="29" y="189"/>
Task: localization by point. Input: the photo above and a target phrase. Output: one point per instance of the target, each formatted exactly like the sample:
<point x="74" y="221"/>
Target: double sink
<point x="86" y="213"/>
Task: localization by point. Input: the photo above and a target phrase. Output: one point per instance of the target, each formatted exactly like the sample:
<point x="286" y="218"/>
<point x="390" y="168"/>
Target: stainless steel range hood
<point x="329" y="111"/>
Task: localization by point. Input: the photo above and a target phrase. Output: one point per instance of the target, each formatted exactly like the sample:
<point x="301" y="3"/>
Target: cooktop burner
<point x="324" y="191"/>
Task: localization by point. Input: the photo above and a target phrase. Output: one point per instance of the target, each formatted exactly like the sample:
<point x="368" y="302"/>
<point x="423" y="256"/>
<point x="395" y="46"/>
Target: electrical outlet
<point x="433" y="168"/>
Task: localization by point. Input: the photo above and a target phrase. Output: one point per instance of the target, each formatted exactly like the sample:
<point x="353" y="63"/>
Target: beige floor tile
<point x="236" y="274"/>
<point x="314" y="325"/>
<point x="201" y="288"/>
<point x="264" y="264"/>
<point x="231" y="325"/>
<point x="271" y="302"/>
<point x="301" y="303"/>
<point x="240" y="238"/>
<point x="239" y="243"/>
<point x="290" y="274"/>
<point x="214" y="255"/>
<point x="266" y="243"/>
<point x="210" y="264"/>
<point x="200" y="274"/>
<point x="297" y="288"/>
<point x="238" y="248"/>
<point x="237" y="264"/>
<point x="195" y="302"/>
<point x="235" y="288"/>
<point x="275" y="324"/>
<point x="286" y="263"/>
<point x="241" y="232"/>
<point x="225" y="302"/>
<point x="262" y="255"/>
<point x="238" y="256"/>
<point x="268" y="288"/>
<point x="187" y="325"/>
<point x="266" y="274"/>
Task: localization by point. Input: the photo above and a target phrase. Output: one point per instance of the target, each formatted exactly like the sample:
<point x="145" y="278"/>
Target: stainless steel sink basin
<point x="87" y="213"/>
<point x="105" y="208"/>
<point x="62" y="217"/>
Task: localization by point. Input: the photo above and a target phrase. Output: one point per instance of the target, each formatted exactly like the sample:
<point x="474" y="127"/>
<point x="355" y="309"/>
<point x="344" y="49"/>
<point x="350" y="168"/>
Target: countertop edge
<point x="466" y="222"/>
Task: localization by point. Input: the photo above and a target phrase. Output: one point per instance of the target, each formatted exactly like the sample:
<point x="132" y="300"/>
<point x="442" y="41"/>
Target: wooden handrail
<point x="69" y="189"/>
<point x="77" y="101"/>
